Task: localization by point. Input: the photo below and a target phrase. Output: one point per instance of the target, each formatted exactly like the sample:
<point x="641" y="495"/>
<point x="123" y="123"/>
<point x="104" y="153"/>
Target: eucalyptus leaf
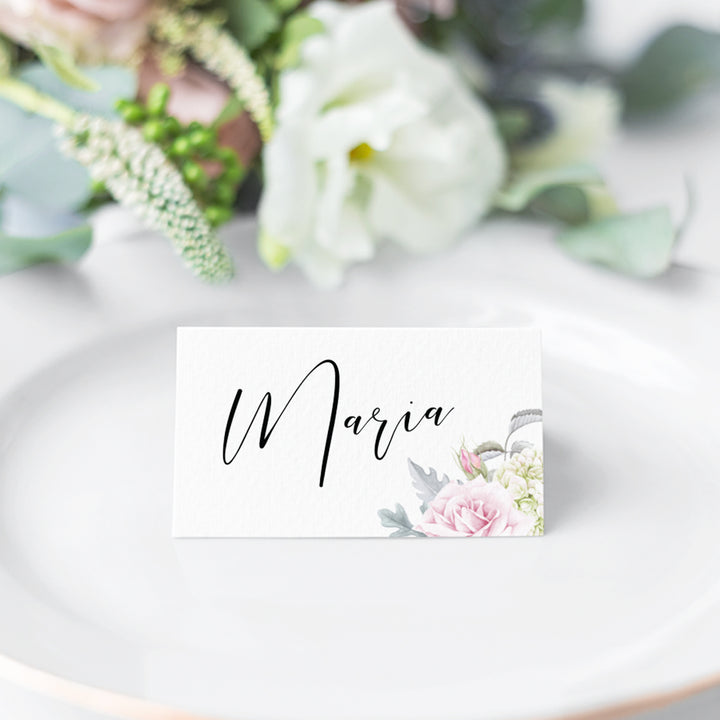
<point x="678" y="62"/>
<point x="522" y="418"/>
<point x="525" y="186"/>
<point x="31" y="165"/>
<point x="63" y="65"/>
<point x="638" y="244"/>
<point x="426" y="484"/>
<point x="575" y="204"/>
<point x="252" y="21"/>
<point x="20" y="252"/>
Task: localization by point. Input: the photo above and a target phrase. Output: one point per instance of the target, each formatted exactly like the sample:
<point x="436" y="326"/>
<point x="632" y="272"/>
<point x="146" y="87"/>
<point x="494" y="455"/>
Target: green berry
<point x="132" y="113"/>
<point x="180" y="147"/>
<point x="225" y="193"/>
<point x="227" y="156"/>
<point x="195" y="125"/>
<point x="154" y="131"/>
<point x="157" y="99"/>
<point x="194" y="174"/>
<point x="217" y="215"/>
<point x="233" y="174"/>
<point x="172" y="126"/>
<point x="201" y="140"/>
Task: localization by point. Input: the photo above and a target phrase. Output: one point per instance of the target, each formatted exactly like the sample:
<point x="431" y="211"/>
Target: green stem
<point x="32" y="100"/>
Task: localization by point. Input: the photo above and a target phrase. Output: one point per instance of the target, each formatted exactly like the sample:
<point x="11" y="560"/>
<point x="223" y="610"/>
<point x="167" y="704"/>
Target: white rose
<point x="377" y="139"/>
<point x="586" y="116"/>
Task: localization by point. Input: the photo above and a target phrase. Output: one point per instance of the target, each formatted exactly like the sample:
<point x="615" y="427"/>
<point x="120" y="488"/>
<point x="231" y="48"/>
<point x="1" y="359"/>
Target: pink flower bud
<point x="465" y="461"/>
<point x="476" y="460"/>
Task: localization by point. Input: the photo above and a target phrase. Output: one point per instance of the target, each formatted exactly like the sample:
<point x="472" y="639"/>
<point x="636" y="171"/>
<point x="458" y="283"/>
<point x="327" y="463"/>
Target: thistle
<point x="138" y="174"/>
<point x="216" y="49"/>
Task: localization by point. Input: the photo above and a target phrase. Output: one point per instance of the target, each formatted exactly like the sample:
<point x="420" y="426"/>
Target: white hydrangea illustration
<point x="522" y="475"/>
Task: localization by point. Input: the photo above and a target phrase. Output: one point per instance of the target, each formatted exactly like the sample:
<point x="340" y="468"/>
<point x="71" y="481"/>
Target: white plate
<point x="620" y="600"/>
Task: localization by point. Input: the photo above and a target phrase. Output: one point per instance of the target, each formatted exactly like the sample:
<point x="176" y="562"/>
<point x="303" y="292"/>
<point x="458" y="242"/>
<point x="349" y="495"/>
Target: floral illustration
<point x="502" y="493"/>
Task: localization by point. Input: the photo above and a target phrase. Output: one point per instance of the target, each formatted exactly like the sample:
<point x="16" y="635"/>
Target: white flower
<point x="586" y="116"/>
<point x="376" y="139"/>
<point x="522" y="475"/>
<point x="517" y="487"/>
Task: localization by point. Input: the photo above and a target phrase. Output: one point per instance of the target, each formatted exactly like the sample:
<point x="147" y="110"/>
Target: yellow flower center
<point x="361" y="153"/>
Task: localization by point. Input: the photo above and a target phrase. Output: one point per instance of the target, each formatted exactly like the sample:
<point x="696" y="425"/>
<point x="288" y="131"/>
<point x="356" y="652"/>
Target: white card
<point x="358" y="432"/>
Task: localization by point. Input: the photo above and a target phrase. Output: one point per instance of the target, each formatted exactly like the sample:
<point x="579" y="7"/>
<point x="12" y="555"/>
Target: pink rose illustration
<point x="475" y="508"/>
<point x="471" y="462"/>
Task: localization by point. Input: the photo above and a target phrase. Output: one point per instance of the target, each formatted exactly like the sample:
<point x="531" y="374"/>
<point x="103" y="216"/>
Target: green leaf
<point x="251" y="21"/>
<point x="296" y="30"/>
<point x="542" y="13"/>
<point x="31" y="165"/>
<point x="63" y="65"/>
<point x="232" y="109"/>
<point x="638" y="244"/>
<point x="525" y="186"/>
<point x="513" y="123"/>
<point x="677" y="63"/>
<point x="6" y="56"/>
<point x="286" y="6"/>
<point x="20" y="252"/>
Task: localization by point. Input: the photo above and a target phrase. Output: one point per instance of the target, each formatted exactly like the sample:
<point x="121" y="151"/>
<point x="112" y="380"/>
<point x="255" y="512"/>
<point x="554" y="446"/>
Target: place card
<point x="358" y="432"/>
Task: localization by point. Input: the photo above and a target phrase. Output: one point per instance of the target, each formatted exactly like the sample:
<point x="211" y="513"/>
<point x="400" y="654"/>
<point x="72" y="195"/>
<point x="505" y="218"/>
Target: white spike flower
<point x="137" y="174"/>
<point x="220" y="53"/>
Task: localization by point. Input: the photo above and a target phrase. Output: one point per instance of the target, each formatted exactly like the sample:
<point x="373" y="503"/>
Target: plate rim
<point x="124" y="706"/>
<point x="127" y="706"/>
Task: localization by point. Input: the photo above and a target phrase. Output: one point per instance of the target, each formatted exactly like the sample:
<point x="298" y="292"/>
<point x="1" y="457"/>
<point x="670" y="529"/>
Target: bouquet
<point x="345" y="125"/>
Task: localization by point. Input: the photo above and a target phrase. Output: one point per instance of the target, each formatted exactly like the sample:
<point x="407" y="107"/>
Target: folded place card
<point x="358" y="432"/>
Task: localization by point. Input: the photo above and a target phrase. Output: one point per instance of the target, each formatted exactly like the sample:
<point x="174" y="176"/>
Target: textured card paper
<point x="358" y="432"/>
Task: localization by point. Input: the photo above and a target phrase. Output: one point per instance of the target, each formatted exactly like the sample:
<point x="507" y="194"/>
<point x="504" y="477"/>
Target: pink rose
<point x="471" y="462"/>
<point x="93" y="31"/>
<point x="196" y="94"/>
<point x="475" y="508"/>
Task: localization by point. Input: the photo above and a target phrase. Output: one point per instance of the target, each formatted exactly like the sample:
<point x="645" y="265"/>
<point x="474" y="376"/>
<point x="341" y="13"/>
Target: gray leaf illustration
<point x="522" y="418"/>
<point x="399" y="520"/>
<point x="489" y="450"/>
<point x="427" y="484"/>
<point x="519" y="445"/>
